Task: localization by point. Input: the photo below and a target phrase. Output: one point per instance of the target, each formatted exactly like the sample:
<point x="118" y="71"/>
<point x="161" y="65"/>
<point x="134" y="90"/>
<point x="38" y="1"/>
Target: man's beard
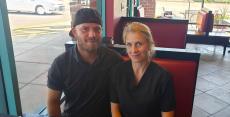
<point x="82" y="45"/>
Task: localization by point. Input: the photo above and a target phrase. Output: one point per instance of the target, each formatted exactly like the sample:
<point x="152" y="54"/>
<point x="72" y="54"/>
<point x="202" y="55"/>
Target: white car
<point x="36" y="6"/>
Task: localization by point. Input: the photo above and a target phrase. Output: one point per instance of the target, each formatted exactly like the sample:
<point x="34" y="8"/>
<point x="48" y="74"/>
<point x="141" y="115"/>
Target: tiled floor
<point x="33" y="59"/>
<point x="34" y="55"/>
<point x="212" y="96"/>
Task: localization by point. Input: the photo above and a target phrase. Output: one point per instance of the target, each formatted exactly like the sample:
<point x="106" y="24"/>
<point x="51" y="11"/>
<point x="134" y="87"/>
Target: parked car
<point x="82" y="2"/>
<point x="36" y="6"/>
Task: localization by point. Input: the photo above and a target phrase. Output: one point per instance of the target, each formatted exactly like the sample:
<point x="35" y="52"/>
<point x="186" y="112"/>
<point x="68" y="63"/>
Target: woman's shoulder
<point x="156" y="66"/>
<point x="159" y="69"/>
<point x="120" y="70"/>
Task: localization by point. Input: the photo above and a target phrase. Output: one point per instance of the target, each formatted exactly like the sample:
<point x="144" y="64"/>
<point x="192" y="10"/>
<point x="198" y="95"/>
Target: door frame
<point x="9" y="81"/>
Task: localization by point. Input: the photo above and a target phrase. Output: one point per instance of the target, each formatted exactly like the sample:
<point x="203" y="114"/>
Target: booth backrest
<point x="184" y="75"/>
<point x="167" y="33"/>
<point x="205" y="20"/>
<point x="184" y="78"/>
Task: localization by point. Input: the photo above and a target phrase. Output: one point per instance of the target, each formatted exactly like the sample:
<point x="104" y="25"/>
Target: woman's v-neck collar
<point x="133" y="83"/>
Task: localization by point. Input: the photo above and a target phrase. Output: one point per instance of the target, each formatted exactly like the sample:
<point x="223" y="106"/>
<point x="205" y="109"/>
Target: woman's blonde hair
<point x="141" y="28"/>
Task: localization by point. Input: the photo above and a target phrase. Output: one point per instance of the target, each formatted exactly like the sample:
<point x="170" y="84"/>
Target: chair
<point x="205" y="21"/>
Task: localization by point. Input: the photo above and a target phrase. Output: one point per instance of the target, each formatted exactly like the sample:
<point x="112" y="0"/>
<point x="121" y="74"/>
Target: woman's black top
<point x="152" y="95"/>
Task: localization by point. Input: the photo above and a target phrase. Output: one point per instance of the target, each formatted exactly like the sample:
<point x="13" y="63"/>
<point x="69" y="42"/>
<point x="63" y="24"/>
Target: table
<point x="214" y="38"/>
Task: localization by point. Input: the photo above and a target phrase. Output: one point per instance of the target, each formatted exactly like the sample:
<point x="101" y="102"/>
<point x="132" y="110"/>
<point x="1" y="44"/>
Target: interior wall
<point x="114" y="10"/>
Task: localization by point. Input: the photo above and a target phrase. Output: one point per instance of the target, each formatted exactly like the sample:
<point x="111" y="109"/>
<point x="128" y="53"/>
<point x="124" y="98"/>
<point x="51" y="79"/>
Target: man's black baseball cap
<point x="86" y="15"/>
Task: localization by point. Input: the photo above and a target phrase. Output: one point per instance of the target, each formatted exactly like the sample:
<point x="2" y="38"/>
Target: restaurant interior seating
<point x="169" y="33"/>
<point x="204" y="22"/>
<point x="183" y="67"/>
<point x="205" y="34"/>
<point x="184" y="74"/>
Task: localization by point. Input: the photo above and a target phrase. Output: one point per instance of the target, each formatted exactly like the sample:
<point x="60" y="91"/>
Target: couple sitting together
<point x="97" y="83"/>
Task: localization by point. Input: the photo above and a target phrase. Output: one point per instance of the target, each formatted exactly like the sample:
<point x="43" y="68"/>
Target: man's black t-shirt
<point x="152" y="95"/>
<point x="86" y="86"/>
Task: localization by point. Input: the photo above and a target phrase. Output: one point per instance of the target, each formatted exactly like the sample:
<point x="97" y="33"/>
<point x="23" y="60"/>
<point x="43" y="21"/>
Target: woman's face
<point x="137" y="47"/>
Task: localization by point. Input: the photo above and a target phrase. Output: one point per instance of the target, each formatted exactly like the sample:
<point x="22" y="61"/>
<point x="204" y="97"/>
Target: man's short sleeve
<point x="168" y="101"/>
<point x="55" y="76"/>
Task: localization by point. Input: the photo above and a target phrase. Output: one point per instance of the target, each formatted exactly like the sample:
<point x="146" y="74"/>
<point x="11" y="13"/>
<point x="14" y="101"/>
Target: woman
<point x="140" y="87"/>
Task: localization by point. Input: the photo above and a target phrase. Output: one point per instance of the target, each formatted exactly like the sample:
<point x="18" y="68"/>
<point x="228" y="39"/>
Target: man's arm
<point x="53" y="103"/>
<point x="167" y="114"/>
<point x="115" y="109"/>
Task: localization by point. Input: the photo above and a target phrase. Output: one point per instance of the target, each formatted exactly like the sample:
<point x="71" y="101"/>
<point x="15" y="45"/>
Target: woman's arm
<point x="115" y="109"/>
<point x="53" y="103"/>
<point x="167" y="114"/>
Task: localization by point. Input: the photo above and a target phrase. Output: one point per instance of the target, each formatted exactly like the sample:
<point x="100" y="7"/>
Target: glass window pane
<point x="220" y="9"/>
<point x="178" y="9"/>
<point x="39" y="33"/>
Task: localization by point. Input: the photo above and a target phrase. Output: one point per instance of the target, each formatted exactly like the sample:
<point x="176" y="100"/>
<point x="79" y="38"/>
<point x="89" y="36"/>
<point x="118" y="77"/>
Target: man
<point x="82" y="72"/>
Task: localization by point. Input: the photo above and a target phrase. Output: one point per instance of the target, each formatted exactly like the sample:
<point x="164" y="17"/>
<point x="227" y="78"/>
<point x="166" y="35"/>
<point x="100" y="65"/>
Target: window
<point x="38" y="36"/>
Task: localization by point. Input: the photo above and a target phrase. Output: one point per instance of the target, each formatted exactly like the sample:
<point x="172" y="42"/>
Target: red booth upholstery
<point x="184" y="78"/>
<point x="167" y="33"/>
<point x="184" y="75"/>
